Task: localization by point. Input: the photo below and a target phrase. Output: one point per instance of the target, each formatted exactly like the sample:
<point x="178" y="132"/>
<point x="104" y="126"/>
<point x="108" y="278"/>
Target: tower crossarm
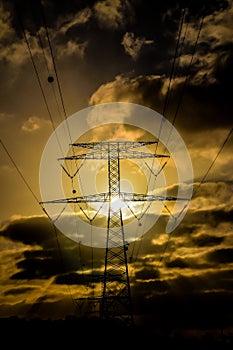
<point x="116" y="295"/>
<point x="98" y="155"/>
<point x="113" y="150"/>
<point x="100" y="197"/>
<point x="123" y="196"/>
<point x="141" y="155"/>
<point x="138" y="197"/>
<point x="122" y="144"/>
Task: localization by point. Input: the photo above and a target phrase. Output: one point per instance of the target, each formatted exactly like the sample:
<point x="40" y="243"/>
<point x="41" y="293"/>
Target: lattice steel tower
<point x="116" y="296"/>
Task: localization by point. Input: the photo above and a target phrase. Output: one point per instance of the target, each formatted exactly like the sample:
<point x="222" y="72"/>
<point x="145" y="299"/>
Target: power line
<point x="214" y="160"/>
<point x="178" y="106"/>
<point x="174" y="60"/>
<point x="53" y="58"/>
<point x="168" y="92"/>
<point x="46" y="62"/>
<point x="37" y="200"/>
<point x="185" y="81"/>
<point x="180" y="51"/>
<point x="166" y="102"/>
<point x="197" y="188"/>
<point x="188" y="69"/>
<point x="56" y="73"/>
<point x="57" y="79"/>
<point x="38" y="77"/>
<point x="19" y="172"/>
<point x="171" y="76"/>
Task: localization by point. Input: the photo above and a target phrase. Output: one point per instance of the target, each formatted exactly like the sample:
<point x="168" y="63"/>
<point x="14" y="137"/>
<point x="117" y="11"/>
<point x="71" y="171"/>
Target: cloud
<point x="14" y="54"/>
<point x="70" y="21"/>
<point x="133" y="45"/>
<point x="196" y="108"/>
<point x="191" y="285"/>
<point x="213" y="43"/>
<point x="19" y="290"/>
<point x="33" y="124"/>
<point x="15" y="51"/>
<point x="30" y="231"/>
<point x="65" y="38"/>
<point x="6" y="31"/>
<point x="6" y="169"/>
<point x="180" y="263"/>
<point x="212" y="195"/>
<point x="221" y="256"/>
<point x="206" y="89"/>
<point x="70" y="278"/>
<point x="135" y="90"/>
<point x="71" y="48"/>
<point x="217" y="29"/>
<point x="12" y="49"/>
<point x="31" y="252"/>
<point x="108" y="113"/>
<point x="202" y="236"/>
<point x="196" y="266"/>
<point x="5" y="116"/>
<point x="206" y="240"/>
<point x="113" y="14"/>
<point x="44" y="250"/>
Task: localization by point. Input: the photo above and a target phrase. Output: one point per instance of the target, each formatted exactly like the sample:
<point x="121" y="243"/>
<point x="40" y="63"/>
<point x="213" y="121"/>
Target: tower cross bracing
<point x="116" y="295"/>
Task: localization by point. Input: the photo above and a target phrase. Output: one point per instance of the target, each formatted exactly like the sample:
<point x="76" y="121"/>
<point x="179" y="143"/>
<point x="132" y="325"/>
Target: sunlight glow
<point x="117" y="203"/>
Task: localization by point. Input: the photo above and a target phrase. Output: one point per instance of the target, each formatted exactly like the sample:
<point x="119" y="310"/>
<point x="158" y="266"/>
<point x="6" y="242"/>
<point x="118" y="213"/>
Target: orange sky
<point x="123" y="52"/>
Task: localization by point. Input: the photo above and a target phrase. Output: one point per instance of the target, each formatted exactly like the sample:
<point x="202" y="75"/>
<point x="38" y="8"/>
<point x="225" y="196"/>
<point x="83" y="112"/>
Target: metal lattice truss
<point x="116" y="287"/>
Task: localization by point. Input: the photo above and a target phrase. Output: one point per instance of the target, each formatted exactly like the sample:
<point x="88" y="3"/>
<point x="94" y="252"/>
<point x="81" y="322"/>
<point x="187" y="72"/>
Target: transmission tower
<point x="115" y="300"/>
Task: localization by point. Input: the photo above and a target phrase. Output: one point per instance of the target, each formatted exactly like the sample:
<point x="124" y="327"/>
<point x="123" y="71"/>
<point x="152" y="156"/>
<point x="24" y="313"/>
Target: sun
<point x="92" y="177"/>
<point x="117" y="204"/>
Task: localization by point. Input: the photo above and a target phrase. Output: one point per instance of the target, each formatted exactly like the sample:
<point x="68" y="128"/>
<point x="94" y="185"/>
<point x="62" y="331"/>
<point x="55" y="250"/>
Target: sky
<point x="173" y="57"/>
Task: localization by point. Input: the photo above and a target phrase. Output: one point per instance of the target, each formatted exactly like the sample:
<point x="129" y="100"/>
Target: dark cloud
<point x="205" y="7"/>
<point x="193" y="281"/>
<point x="223" y="66"/>
<point x="218" y="280"/>
<point x="58" y="254"/>
<point x="213" y="217"/>
<point x="19" y="290"/>
<point x="189" y="301"/>
<point x="208" y="102"/>
<point x="150" y="287"/>
<point x="69" y="279"/>
<point x="205" y="240"/>
<point x="181" y="280"/>
<point x="32" y="13"/>
<point x="186" y="228"/>
<point x="147" y="272"/>
<point x="221" y="256"/>
<point x="192" y="291"/>
<point x="38" y="268"/>
<point x="214" y="189"/>
<point x="197" y="283"/>
<point x="180" y="263"/>
<point x="31" y="231"/>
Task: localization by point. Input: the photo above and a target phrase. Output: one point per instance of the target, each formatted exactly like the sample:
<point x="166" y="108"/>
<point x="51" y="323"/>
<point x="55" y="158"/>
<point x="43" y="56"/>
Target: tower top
<point x="114" y="149"/>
